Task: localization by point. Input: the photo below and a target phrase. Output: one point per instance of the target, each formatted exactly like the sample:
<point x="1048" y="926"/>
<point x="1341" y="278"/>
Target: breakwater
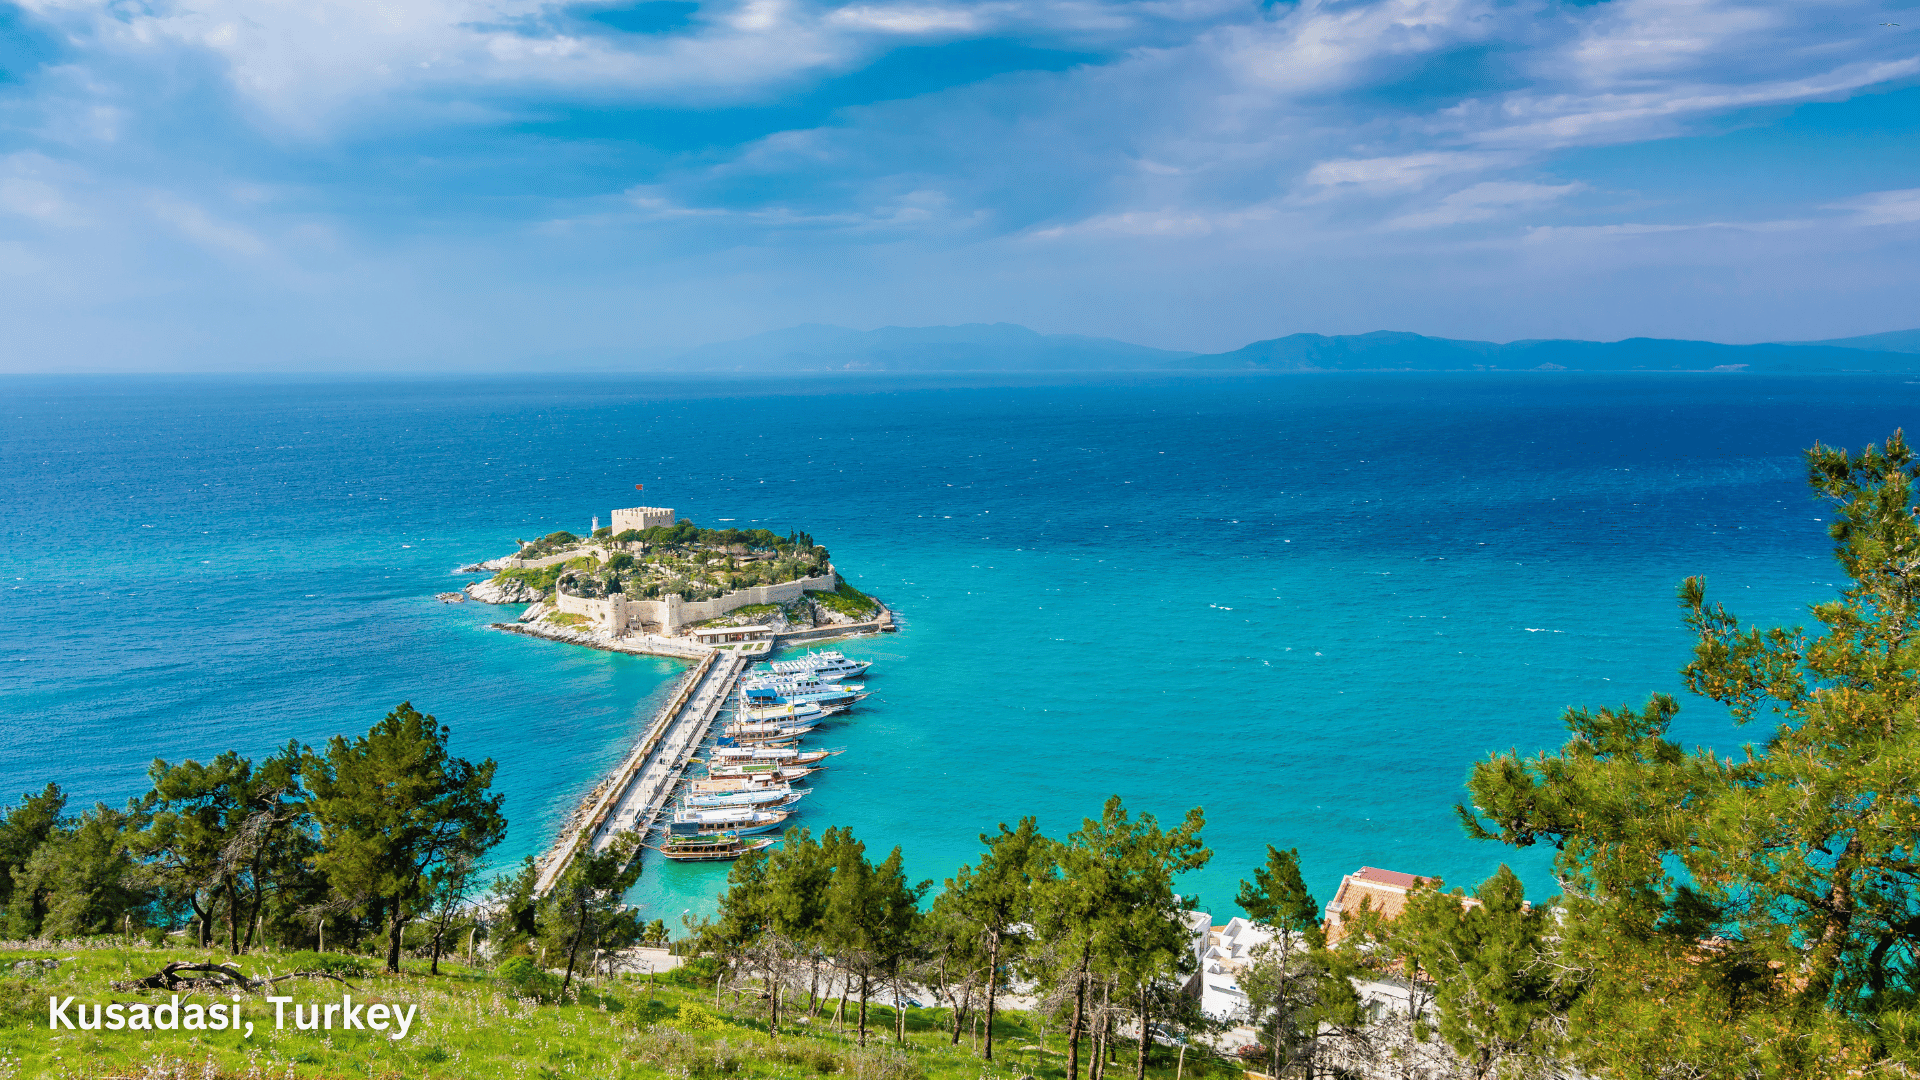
<point x="632" y="797"/>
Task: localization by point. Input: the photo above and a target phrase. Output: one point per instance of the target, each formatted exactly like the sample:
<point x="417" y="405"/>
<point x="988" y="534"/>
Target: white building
<point x="1223" y="953"/>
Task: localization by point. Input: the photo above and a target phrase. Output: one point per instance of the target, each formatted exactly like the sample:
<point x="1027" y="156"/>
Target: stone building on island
<point x="641" y="518"/>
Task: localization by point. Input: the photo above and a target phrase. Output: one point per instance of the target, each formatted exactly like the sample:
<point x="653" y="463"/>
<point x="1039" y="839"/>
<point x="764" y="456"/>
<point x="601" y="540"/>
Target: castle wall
<point x="670" y="614"/>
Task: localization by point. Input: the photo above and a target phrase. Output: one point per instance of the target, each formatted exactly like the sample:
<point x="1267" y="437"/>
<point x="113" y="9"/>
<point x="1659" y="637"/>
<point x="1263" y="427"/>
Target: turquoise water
<point x="1306" y="603"/>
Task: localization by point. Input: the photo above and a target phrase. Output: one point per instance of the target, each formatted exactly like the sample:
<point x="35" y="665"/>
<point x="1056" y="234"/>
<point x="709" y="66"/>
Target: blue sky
<point x="484" y="183"/>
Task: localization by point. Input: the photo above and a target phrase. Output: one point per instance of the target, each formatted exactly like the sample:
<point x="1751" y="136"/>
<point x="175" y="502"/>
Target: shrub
<point x="692" y="1017"/>
<point x="698" y="972"/>
<point x="527" y="979"/>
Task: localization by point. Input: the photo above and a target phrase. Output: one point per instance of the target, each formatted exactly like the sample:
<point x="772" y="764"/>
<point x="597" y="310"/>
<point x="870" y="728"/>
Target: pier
<point x="632" y="798"/>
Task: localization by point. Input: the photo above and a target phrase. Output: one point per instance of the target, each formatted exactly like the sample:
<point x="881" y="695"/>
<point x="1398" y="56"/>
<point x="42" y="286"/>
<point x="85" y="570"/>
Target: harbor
<point x="753" y="762"/>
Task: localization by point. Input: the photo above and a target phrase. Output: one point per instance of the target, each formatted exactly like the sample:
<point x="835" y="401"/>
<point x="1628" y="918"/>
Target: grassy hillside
<point x="472" y="1024"/>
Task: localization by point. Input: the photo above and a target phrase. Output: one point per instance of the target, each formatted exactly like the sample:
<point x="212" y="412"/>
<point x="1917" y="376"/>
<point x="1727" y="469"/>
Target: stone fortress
<point x="641" y="518"/>
<point x="670" y="615"/>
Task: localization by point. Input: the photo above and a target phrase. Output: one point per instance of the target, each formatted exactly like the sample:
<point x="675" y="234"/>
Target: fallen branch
<point x="216" y="977"/>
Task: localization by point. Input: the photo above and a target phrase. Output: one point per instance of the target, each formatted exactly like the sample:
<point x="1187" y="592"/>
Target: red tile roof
<point x="1388" y="877"/>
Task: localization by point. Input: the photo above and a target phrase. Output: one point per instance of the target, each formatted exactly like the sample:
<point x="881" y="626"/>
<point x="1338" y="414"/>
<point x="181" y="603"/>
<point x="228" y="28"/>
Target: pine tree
<point x="1761" y="910"/>
<point x="1288" y="977"/>
<point x="998" y="893"/>
<point x="586" y="906"/>
<point x="392" y="807"/>
<point x="23" y="829"/>
<point x="1492" y="976"/>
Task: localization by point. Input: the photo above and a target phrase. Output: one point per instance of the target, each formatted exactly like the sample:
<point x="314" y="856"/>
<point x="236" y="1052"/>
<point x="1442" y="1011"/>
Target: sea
<point x="1306" y="604"/>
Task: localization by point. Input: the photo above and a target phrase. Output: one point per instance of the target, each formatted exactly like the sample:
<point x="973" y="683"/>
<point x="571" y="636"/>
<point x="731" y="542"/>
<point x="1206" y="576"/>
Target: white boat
<point x="761" y="734"/>
<point x="762" y="695"/>
<point x="809" y="713"/>
<point x="735" y="755"/>
<point x="797" y="684"/>
<point x="743" y="820"/>
<point x="828" y="664"/>
<point x="765" y="797"/>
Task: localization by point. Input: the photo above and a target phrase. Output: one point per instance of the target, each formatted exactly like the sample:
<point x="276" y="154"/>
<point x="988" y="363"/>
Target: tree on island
<point x="1756" y="912"/>
<point x="393" y="807"/>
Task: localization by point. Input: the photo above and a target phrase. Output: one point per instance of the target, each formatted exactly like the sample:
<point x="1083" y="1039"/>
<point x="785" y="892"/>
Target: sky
<point x="285" y="185"/>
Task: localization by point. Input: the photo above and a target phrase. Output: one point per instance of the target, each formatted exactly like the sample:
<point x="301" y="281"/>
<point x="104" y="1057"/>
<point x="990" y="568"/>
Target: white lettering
<point x="195" y="1018"/>
<point x="377" y="1017"/>
<point x="171" y="1018"/>
<point x="57" y="1013"/>
<point x="350" y="1015"/>
<point x="116" y="1016"/>
<point x="139" y="1018"/>
<point x="406" y="1021"/>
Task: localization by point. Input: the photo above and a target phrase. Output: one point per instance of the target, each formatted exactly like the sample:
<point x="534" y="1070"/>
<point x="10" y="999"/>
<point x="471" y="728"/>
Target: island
<point x="654" y="583"/>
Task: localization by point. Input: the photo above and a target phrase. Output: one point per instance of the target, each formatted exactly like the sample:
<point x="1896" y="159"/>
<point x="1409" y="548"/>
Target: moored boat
<point x="767" y="754"/>
<point x="754" y="796"/>
<point x="745" y="821"/>
<point x="809" y="713"/>
<point x="718" y="847"/>
<point x="765" y="773"/>
<point x="763" y="696"/>
<point x="830" y="663"/>
<point x="756" y="733"/>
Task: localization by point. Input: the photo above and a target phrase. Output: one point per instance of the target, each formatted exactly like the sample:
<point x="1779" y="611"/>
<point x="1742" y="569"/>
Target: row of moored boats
<point x="756" y="766"/>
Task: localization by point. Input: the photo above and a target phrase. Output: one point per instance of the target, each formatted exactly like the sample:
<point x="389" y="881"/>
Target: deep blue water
<point x="1306" y="603"/>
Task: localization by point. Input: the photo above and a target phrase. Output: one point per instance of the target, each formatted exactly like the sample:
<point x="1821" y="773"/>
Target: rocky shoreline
<point x="509" y="591"/>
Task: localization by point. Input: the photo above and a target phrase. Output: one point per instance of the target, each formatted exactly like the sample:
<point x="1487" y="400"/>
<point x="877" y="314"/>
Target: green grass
<point x="567" y="618"/>
<point x="472" y="1026"/>
<point x="542" y="578"/>
<point x="848" y="601"/>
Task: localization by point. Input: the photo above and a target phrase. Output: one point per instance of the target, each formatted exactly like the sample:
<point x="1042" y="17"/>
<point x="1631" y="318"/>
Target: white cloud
<point x="1882" y="207"/>
<point x="195" y="223"/>
<point x="32" y="186"/>
<point x="1482" y="202"/>
<point x="903" y="19"/>
<point x="1407" y="172"/>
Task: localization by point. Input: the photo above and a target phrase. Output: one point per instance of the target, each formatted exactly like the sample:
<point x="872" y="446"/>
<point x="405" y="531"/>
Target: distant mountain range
<point x="1008" y="347"/>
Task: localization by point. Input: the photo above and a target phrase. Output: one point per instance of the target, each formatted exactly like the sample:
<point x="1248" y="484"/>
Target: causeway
<point x="633" y="797"/>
